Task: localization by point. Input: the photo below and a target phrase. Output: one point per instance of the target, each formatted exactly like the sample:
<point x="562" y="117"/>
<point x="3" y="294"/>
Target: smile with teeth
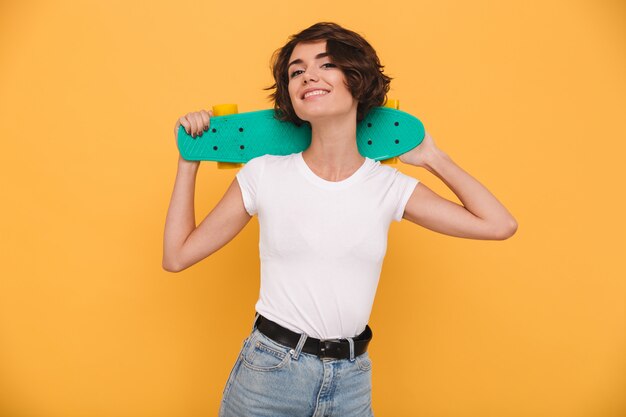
<point x="315" y="93"/>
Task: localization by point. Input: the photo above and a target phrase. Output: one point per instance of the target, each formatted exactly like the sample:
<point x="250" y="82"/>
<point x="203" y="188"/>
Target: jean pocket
<point x="364" y="362"/>
<point x="265" y="355"/>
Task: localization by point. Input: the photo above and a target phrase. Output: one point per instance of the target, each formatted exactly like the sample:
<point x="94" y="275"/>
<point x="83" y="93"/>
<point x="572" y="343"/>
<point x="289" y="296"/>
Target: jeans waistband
<point x="346" y="348"/>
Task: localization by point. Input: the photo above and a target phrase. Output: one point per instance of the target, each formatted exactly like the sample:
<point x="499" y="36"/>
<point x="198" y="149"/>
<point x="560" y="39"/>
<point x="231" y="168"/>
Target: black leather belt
<point x="330" y="348"/>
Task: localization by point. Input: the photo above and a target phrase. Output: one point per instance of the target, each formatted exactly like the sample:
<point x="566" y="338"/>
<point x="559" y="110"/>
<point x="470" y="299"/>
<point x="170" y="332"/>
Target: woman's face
<point x="310" y="71"/>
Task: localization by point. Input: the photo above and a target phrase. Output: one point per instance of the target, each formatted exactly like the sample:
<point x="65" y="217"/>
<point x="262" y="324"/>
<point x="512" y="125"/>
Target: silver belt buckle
<point x="326" y="347"/>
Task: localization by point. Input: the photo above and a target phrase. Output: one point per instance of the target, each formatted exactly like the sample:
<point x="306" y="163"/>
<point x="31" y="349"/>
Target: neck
<point x="333" y="153"/>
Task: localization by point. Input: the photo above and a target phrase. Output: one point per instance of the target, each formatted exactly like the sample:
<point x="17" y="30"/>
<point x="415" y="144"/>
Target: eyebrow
<point x="299" y="61"/>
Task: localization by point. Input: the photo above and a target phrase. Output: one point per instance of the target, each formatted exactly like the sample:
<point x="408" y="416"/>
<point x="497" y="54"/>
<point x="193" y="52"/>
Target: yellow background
<point x="527" y="96"/>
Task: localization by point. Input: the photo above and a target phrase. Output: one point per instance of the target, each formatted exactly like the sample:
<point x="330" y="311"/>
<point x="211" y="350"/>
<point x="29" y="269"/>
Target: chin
<point x="316" y="117"/>
<point x="322" y="113"/>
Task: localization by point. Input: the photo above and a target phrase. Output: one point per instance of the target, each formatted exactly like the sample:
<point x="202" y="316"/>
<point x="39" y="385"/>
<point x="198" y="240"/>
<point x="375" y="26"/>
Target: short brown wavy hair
<point x="350" y="52"/>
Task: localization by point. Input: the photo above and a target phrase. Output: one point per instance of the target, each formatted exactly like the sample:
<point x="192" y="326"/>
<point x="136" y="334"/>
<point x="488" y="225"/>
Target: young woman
<point x="324" y="214"/>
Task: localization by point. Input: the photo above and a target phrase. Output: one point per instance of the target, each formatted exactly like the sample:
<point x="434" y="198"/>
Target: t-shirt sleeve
<point x="401" y="189"/>
<point x="249" y="179"/>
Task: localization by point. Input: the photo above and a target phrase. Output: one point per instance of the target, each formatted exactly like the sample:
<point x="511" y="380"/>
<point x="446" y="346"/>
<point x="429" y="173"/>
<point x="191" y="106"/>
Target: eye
<point x="330" y="65"/>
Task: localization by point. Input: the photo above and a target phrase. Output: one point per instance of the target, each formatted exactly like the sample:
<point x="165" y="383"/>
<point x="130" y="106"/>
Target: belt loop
<point x="256" y="317"/>
<point x="351" y="342"/>
<point x="296" y="353"/>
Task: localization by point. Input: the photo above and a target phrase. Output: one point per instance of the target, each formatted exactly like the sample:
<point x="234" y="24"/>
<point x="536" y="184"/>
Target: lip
<point x="313" y="89"/>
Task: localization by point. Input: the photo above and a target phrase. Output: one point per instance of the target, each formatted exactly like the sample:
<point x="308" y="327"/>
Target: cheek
<point x="291" y="94"/>
<point x="345" y="89"/>
<point x="346" y="94"/>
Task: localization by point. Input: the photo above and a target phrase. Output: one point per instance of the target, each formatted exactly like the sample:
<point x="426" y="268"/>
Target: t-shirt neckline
<point x="330" y="185"/>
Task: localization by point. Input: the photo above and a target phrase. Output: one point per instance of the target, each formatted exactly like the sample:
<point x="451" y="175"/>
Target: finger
<point x="183" y="121"/>
<point x="193" y="129"/>
<point x="199" y="123"/>
<point x="205" y="120"/>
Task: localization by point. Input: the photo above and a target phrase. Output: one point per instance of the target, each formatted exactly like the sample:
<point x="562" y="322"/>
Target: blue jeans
<point x="273" y="380"/>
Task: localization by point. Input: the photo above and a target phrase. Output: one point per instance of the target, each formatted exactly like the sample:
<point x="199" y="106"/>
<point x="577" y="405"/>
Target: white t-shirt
<point x="322" y="243"/>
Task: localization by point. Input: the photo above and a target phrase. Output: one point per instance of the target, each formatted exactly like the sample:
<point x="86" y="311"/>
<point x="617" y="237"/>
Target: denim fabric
<point x="272" y="380"/>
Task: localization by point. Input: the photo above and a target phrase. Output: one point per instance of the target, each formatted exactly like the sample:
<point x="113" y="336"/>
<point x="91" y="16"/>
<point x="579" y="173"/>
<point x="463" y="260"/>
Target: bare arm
<point x="184" y="244"/>
<point x="180" y="220"/>
<point x="481" y="216"/>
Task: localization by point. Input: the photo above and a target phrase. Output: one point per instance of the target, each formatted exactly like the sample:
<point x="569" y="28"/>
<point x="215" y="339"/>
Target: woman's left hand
<point x="421" y="154"/>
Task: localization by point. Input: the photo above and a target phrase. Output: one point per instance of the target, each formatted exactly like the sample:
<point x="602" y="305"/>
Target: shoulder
<point x="380" y="170"/>
<point x="258" y="161"/>
<point x="268" y="158"/>
<point x="265" y="163"/>
<point x="277" y="161"/>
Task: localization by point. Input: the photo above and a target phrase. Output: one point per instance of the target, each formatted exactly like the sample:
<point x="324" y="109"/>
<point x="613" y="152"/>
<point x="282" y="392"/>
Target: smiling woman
<point x="318" y="88"/>
<point x="324" y="216"/>
<point x="341" y="48"/>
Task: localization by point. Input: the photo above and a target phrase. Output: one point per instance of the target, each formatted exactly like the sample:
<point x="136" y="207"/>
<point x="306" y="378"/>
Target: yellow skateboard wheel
<point x="225" y="109"/>
<point x="394" y="104"/>
<point x="390" y="161"/>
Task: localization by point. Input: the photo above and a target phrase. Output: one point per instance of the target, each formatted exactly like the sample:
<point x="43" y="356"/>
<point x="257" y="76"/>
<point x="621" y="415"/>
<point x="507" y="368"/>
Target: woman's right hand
<point x="195" y="124"/>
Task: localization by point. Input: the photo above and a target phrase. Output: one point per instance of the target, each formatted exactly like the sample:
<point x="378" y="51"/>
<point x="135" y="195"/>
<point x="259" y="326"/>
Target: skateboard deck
<point x="236" y="138"/>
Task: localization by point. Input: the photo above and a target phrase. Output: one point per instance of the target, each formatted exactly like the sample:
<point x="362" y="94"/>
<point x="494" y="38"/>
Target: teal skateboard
<point x="234" y="139"/>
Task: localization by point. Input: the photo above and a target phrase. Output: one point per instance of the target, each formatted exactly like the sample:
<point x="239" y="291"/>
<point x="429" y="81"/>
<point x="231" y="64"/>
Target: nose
<point x="309" y="76"/>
